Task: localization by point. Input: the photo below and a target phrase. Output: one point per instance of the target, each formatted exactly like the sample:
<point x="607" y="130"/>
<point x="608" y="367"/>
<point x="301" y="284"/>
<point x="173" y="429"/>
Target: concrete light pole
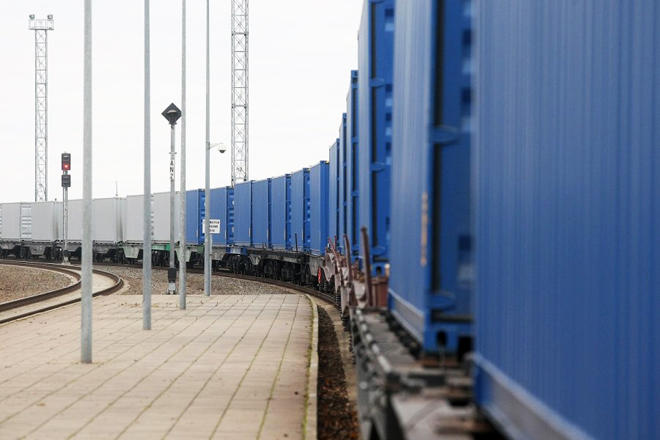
<point x="207" y="179"/>
<point x="86" y="297"/>
<point x="182" y="191"/>
<point x="172" y="114"/>
<point x="146" y="249"/>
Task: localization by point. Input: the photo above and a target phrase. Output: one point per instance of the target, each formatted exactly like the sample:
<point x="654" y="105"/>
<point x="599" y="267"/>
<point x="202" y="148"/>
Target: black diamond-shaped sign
<point x="172" y="114"/>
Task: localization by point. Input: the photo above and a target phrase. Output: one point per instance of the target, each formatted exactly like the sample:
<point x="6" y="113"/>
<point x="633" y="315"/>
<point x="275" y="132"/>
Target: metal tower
<point x="41" y="27"/>
<point x="239" y="91"/>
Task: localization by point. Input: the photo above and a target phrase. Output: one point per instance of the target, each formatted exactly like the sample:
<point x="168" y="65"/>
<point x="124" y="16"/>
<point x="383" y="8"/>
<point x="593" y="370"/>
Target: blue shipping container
<point x="280" y="220"/>
<point x="222" y="209"/>
<point x="352" y="167"/>
<point x="375" y="57"/>
<point x="261" y="213"/>
<point x="243" y="214"/>
<point x="300" y="210"/>
<point x="318" y="221"/>
<point x="194" y="215"/>
<point x="431" y="228"/>
<point x="567" y="171"/>
<point x="333" y="214"/>
<point x="343" y="183"/>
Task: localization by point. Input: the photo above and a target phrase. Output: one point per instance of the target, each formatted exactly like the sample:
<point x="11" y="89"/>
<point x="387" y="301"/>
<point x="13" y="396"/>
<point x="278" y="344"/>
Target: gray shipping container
<point x="160" y="218"/>
<point x="75" y="221"/>
<point x="133" y="216"/>
<point x="106" y="220"/>
<point x="46" y="221"/>
<point x="11" y="222"/>
<point x="107" y="223"/>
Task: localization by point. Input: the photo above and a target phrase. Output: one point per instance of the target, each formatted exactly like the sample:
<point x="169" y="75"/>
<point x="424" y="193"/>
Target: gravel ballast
<point x="132" y="276"/>
<point x="337" y="417"/>
<point x="19" y="282"/>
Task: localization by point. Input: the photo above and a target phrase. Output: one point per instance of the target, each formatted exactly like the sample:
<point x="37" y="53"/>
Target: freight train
<point x="491" y="205"/>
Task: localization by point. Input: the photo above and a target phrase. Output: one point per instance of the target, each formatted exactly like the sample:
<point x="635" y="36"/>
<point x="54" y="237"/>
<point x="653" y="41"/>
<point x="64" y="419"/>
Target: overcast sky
<point x="301" y="53"/>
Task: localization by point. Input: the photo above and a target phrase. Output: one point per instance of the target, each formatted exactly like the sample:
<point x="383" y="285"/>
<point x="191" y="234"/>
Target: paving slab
<point x="231" y="366"/>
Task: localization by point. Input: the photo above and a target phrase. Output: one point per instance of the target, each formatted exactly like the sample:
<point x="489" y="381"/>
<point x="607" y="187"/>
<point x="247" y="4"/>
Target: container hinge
<point x="444" y="134"/>
<point x="377" y="82"/>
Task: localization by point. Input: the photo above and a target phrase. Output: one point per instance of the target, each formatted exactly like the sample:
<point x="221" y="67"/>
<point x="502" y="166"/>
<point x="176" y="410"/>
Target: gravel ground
<point x="337" y="417"/>
<point x="18" y="282"/>
<point x="195" y="285"/>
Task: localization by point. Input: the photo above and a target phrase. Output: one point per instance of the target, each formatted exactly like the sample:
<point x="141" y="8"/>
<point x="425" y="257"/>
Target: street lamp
<point x="219" y="146"/>
<point x="208" y="237"/>
<point x="172" y="114"/>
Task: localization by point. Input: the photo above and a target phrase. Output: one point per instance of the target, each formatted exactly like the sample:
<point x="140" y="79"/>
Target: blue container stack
<point x="375" y="60"/>
<point x="281" y="212"/>
<point x="352" y="166"/>
<point x="567" y="166"/>
<point x="261" y="213"/>
<point x="243" y="214"/>
<point x="318" y="213"/>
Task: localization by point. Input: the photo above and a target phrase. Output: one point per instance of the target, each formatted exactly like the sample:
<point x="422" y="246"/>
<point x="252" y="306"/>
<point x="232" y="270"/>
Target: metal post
<point x="172" y="114"/>
<point x="207" y="191"/>
<point x="65" y="225"/>
<point x="172" y="191"/>
<point x="182" y="191"/>
<point x="86" y="297"/>
<point x="146" y="252"/>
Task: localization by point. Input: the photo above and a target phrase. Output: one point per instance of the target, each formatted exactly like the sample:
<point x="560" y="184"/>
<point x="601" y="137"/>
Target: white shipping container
<point x="46" y="221"/>
<point x="107" y="214"/>
<point x="161" y="217"/>
<point x="106" y="220"/>
<point x="75" y="221"/>
<point x="11" y="222"/>
<point x="133" y="217"/>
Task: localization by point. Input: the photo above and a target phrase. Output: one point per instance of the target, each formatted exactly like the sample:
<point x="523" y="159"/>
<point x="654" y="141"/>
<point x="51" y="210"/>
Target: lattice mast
<point x="41" y="26"/>
<point x="239" y="91"/>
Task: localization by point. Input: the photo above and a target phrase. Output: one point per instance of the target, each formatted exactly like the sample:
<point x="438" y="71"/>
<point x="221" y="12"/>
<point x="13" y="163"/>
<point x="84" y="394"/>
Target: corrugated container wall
<point x="343" y="183"/>
<point x="194" y="214"/>
<point x="568" y="230"/>
<point x="75" y="226"/>
<point x="160" y="207"/>
<point x="430" y="283"/>
<point x="261" y="213"/>
<point x="107" y="223"/>
<point x="333" y="203"/>
<point x="318" y="221"/>
<point x="300" y="210"/>
<point x="243" y="214"/>
<point x="11" y="221"/>
<point x="280" y="222"/>
<point x="46" y="218"/>
<point x="375" y="58"/>
<point x="352" y="167"/>
<point x="222" y="209"/>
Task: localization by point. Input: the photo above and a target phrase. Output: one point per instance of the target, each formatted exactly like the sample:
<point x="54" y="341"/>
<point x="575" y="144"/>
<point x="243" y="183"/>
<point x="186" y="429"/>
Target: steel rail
<point x="33" y="299"/>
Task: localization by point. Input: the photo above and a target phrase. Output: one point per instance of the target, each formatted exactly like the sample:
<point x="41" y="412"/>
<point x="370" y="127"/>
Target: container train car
<point x="488" y="220"/>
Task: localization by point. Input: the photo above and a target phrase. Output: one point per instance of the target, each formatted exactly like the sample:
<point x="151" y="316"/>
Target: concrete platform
<point x="229" y="367"/>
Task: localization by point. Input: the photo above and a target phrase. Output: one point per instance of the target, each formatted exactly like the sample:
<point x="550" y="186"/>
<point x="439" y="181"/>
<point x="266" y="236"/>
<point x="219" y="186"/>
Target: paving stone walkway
<point x="229" y="367"/>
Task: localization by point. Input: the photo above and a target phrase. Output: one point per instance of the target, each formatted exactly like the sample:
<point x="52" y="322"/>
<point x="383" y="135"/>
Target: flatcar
<point x="487" y="220"/>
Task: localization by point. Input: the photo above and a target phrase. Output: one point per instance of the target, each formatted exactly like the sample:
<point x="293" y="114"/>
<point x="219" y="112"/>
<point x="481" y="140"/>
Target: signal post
<point x="66" y="184"/>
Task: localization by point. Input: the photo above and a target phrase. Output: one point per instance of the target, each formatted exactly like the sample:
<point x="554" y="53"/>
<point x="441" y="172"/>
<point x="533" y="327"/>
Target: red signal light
<point x="66" y="161"/>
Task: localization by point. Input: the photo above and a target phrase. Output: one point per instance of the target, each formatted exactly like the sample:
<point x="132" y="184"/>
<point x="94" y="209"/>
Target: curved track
<point x="73" y="271"/>
<point x="328" y="297"/>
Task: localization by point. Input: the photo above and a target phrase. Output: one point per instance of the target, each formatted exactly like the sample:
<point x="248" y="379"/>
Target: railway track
<point x="45" y="297"/>
<point x="328" y="297"/>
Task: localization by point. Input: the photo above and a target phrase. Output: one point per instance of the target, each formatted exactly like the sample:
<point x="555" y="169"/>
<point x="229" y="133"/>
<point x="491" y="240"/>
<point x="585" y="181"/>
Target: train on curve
<point x="488" y="219"/>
